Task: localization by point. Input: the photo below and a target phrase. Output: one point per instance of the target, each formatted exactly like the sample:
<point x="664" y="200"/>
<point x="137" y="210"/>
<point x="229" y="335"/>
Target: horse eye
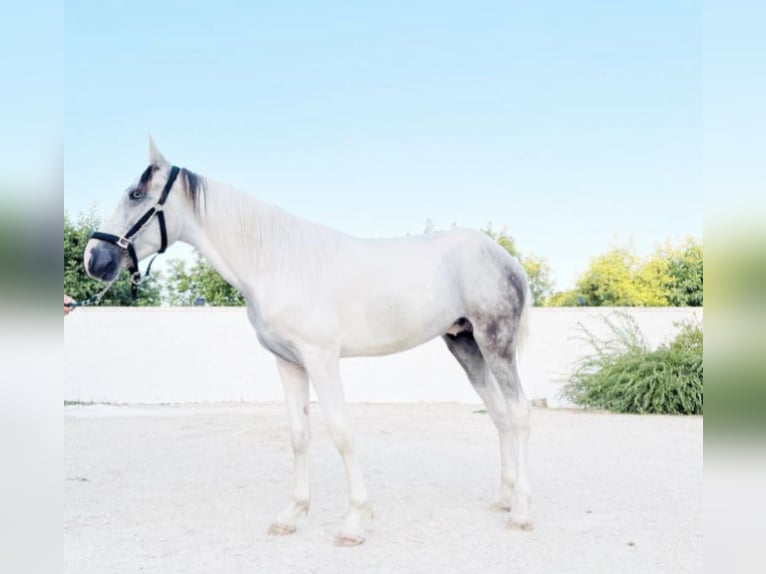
<point x="136" y="194"/>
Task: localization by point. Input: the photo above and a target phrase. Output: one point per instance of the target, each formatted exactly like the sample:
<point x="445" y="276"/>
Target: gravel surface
<point x="193" y="488"/>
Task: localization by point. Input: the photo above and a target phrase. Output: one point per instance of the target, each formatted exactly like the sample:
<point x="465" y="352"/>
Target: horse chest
<point x="278" y="346"/>
<point x="271" y="338"/>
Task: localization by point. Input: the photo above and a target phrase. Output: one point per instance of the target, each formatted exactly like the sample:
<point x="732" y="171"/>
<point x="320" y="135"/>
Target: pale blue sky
<point x="569" y="123"/>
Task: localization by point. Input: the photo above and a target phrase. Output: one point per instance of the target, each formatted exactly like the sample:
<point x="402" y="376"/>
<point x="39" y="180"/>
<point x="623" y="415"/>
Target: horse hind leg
<point x="463" y="346"/>
<point x="496" y="337"/>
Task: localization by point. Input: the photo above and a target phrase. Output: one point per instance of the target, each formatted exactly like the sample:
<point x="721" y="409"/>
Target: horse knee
<point x="520" y="412"/>
<point x="300" y="439"/>
<point x="342" y="438"/>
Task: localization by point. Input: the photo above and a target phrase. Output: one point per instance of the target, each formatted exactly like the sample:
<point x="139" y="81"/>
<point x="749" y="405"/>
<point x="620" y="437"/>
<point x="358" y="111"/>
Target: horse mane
<point x="194" y="186"/>
<point x="270" y="237"/>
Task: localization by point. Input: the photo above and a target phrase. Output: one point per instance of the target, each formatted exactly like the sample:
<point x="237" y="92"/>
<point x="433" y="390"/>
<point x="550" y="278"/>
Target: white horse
<point x="315" y="295"/>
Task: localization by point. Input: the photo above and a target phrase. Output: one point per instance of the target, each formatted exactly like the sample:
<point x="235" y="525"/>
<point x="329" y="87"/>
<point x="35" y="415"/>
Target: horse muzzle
<point x="103" y="261"/>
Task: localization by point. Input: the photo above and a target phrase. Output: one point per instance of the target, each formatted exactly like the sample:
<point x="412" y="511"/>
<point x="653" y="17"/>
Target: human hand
<point x="68" y="305"/>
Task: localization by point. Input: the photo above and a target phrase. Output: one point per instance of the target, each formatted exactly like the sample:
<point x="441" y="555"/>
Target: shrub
<point x="624" y="375"/>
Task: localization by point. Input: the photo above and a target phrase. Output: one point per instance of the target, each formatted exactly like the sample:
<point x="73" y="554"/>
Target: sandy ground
<point x="188" y="489"/>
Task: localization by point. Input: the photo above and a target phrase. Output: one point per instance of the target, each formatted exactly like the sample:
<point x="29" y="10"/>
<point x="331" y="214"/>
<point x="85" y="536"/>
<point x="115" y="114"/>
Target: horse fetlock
<point x="302" y="506"/>
<point x="361" y="507"/>
<point x="507" y="480"/>
<point x="507" y="491"/>
<point x="504" y="500"/>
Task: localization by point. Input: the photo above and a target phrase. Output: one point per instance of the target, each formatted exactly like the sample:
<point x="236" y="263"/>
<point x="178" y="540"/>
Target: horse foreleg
<point x="324" y="372"/>
<point x="296" y="389"/>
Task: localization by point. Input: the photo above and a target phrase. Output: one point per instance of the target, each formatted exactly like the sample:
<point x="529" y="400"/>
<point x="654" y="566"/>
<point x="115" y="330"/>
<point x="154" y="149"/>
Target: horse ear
<point x="155" y="156"/>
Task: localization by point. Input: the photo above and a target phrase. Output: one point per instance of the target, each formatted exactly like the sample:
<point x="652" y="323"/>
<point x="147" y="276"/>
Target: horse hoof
<point x="279" y="529"/>
<point x="348" y="540"/>
<point x="520" y="524"/>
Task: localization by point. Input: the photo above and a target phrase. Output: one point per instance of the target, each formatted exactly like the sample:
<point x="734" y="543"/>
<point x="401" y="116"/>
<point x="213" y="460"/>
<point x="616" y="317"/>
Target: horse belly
<point x="389" y="324"/>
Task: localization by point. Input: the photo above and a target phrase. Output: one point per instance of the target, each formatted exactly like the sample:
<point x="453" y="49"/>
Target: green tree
<point x="671" y="276"/>
<point x="684" y="265"/>
<point x="184" y="285"/>
<point x="619" y="278"/>
<point x="540" y="278"/>
<point x="180" y="290"/>
<point x="569" y="298"/>
<point x="77" y="283"/>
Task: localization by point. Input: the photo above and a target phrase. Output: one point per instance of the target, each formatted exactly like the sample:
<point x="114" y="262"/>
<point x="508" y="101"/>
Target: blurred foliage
<point x="624" y="375"/>
<point x="737" y="393"/>
<point x="77" y="283"/>
<point x="29" y="260"/>
<point x="737" y="263"/>
<point x="736" y="360"/>
<point x="184" y="286"/>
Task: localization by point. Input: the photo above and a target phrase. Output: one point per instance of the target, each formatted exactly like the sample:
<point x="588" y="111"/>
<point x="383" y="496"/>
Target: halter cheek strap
<point x="126" y="241"/>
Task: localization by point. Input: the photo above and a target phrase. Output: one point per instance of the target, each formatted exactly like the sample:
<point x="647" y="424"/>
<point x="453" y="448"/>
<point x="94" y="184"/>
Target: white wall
<point x="164" y="355"/>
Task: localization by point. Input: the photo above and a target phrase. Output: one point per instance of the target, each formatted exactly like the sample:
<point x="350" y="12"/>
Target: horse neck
<point x="248" y="240"/>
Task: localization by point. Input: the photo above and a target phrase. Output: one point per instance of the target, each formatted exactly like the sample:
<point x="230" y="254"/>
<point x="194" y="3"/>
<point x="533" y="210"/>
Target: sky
<point x="571" y="125"/>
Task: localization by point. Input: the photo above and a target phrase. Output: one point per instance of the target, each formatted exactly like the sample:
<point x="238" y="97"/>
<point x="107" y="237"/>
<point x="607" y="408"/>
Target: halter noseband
<point x="126" y="241"/>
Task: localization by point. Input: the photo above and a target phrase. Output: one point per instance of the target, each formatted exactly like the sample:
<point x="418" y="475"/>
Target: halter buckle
<point x="123" y="242"/>
<point x="136" y="277"/>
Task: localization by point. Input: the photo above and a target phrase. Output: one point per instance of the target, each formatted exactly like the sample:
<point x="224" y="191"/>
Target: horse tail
<point x="522" y="329"/>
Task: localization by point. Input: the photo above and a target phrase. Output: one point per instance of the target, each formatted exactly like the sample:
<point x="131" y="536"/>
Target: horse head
<point x="148" y="218"/>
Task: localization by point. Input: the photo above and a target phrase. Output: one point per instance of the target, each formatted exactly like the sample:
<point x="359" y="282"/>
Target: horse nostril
<point x="103" y="264"/>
